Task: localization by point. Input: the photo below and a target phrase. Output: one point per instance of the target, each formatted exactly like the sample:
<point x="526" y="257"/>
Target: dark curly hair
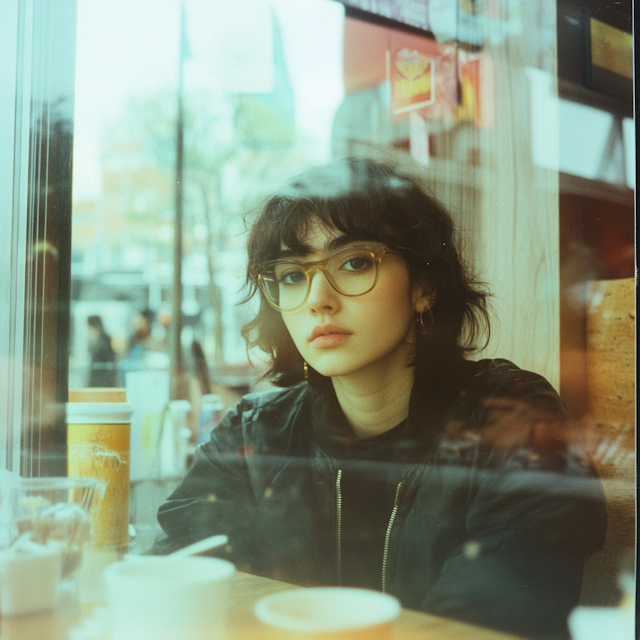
<point x="367" y="200"/>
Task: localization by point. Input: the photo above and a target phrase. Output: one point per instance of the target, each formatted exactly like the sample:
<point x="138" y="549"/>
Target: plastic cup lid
<point x="77" y="411"/>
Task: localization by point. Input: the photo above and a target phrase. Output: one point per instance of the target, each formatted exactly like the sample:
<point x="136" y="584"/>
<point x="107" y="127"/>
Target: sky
<point x="129" y="48"/>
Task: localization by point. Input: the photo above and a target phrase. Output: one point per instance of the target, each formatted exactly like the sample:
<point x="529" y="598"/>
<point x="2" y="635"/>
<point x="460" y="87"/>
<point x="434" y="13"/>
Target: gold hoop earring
<point x="306" y="370"/>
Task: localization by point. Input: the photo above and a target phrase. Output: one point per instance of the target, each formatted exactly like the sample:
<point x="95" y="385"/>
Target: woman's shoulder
<point x="511" y="416"/>
<point x="500" y="369"/>
<point x="501" y="378"/>
<point x="273" y="400"/>
<point x="264" y="418"/>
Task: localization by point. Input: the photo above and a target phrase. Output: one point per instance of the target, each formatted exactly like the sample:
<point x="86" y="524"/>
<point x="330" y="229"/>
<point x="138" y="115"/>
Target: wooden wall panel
<point x="517" y="249"/>
<point x="611" y="321"/>
<point x="481" y="167"/>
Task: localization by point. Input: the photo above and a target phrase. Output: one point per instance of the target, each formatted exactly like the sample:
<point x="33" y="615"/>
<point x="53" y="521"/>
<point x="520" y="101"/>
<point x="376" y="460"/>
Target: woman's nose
<point x="322" y="296"/>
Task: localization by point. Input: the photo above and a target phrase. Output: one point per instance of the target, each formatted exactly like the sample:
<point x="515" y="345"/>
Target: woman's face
<point x="340" y="335"/>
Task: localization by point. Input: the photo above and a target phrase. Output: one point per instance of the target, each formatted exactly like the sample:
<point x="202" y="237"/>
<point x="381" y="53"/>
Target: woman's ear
<point x="424" y="300"/>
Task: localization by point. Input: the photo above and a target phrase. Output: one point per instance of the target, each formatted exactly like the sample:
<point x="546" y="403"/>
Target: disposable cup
<point x="328" y="613"/>
<point x="168" y="598"/>
<point x="98" y="442"/>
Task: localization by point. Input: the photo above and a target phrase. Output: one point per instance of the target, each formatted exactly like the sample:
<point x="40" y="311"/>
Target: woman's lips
<point x="328" y="335"/>
<point x="330" y="340"/>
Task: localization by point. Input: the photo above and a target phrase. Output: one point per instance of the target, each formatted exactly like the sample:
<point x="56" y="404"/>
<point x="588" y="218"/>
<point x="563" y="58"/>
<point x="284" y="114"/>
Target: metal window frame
<point x="37" y="73"/>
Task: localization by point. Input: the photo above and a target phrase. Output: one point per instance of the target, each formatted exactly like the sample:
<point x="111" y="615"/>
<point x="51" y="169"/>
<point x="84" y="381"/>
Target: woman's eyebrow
<point x="283" y="254"/>
<point x="331" y="245"/>
<point x="340" y="241"/>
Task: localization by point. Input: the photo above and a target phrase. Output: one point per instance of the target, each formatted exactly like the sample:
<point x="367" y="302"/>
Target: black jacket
<point x="103" y="371"/>
<point x="495" y="510"/>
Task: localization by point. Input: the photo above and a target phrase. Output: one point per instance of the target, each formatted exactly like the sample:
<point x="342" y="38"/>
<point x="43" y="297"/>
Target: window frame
<point x="37" y="82"/>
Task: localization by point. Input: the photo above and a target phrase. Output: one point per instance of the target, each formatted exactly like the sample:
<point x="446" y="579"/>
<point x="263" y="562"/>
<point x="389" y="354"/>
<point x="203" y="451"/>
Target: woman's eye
<point x="291" y="277"/>
<point x="357" y="263"/>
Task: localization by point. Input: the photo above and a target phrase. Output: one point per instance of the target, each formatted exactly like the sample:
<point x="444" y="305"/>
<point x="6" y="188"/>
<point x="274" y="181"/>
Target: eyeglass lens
<point x="351" y="272"/>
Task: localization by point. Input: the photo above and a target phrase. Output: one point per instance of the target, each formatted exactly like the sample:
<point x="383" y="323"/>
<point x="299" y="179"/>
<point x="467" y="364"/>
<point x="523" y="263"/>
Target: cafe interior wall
<point x="483" y="168"/>
<point x="598" y="306"/>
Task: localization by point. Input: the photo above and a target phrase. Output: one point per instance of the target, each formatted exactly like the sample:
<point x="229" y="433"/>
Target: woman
<point x="103" y="371"/>
<point x="389" y="460"/>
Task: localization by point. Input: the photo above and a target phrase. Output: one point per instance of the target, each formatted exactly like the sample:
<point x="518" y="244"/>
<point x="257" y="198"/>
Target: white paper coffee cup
<point x="168" y="598"/>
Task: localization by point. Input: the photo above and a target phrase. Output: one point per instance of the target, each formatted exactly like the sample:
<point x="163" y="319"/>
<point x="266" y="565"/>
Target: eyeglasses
<point x="351" y="271"/>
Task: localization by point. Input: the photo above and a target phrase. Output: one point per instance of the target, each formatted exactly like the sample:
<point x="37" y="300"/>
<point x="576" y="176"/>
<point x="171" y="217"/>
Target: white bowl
<point x="327" y="610"/>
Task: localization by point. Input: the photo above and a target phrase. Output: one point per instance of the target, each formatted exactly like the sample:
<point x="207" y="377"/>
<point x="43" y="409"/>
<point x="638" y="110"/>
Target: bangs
<point x="286" y="224"/>
<point x="361" y="199"/>
<point x="302" y="216"/>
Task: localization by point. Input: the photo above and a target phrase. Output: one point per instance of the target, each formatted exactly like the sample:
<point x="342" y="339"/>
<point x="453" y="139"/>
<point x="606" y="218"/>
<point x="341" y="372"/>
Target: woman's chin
<point x="330" y="372"/>
<point x="329" y="369"/>
<point x="337" y="369"/>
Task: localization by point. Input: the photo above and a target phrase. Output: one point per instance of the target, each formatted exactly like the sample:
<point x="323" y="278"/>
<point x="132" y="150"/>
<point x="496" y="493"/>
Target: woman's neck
<point x="377" y="399"/>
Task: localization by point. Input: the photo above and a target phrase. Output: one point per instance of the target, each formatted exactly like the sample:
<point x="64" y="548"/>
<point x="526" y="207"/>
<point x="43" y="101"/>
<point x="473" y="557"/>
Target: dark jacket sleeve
<point x="215" y="497"/>
<point x="536" y="513"/>
<point x="529" y="534"/>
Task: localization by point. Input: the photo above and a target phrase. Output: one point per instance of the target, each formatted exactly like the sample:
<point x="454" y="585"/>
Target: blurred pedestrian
<point x="102" y="372"/>
<point x="140" y="340"/>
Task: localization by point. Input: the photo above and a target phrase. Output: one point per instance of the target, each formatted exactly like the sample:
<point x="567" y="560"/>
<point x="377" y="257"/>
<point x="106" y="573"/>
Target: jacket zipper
<point x="339" y="525"/>
<point x="387" y="537"/>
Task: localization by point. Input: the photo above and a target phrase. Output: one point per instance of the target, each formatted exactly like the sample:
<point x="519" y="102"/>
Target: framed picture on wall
<point x="609" y="56"/>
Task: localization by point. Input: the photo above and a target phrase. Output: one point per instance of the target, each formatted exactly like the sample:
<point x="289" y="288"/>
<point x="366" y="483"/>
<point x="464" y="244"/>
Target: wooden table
<point x="245" y="591"/>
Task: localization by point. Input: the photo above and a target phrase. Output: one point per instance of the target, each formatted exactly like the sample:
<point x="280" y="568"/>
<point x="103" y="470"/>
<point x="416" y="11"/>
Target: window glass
<point x="262" y="83"/>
